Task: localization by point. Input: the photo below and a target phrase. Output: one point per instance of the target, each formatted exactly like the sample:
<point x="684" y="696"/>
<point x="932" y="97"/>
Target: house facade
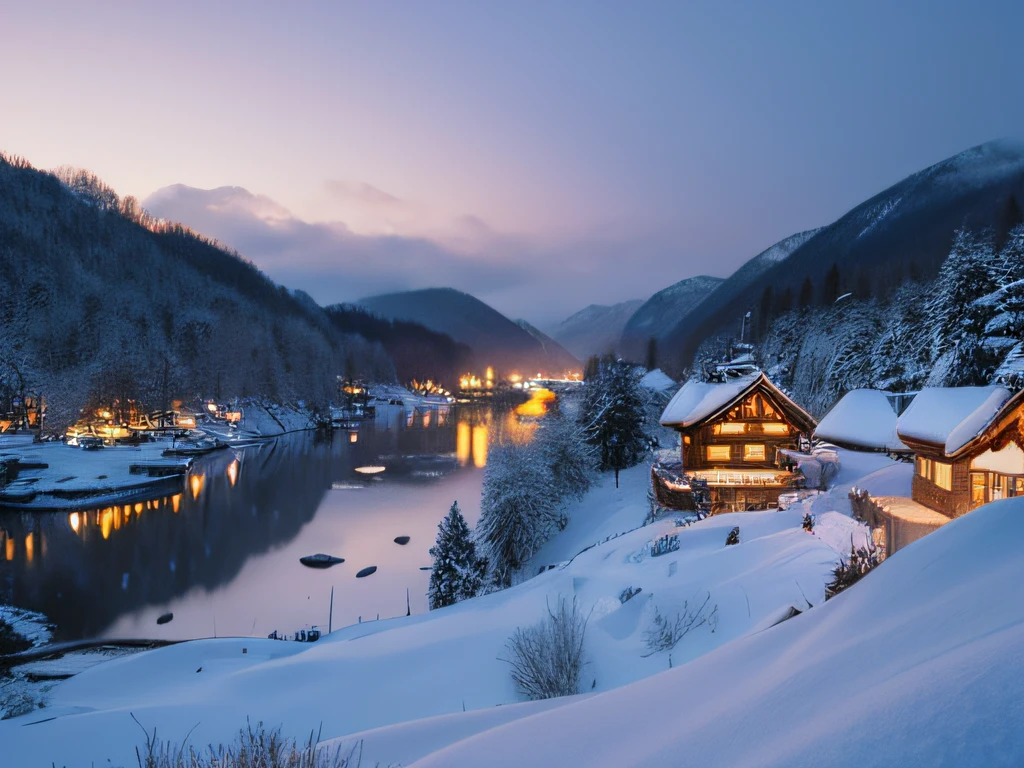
<point x="731" y="435"/>
<point x="968" y="445"/>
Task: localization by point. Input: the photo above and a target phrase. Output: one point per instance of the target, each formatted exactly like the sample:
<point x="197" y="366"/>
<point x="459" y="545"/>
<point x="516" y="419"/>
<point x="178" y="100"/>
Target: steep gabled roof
<point x="862" y="418"/>
<point x="950" y="418"/>
<point x="699" y="401"/>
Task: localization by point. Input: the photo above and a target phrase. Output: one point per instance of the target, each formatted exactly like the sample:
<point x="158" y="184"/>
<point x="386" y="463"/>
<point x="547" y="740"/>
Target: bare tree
<point x="664" y="633"/>
<point x="548" y="657"/>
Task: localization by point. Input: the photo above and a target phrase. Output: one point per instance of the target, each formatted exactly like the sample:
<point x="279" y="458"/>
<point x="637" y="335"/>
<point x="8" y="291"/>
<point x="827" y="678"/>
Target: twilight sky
<point x="540" y="155"/>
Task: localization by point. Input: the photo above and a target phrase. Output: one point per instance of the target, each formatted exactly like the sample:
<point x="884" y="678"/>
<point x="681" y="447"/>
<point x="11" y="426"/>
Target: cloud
<point x="334" y="262"/>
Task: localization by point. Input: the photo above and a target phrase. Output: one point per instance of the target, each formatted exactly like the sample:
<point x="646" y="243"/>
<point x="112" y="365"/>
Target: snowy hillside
<point x="919" y="664"/>
<point x="436" y="665"/>
<point x="596" y="329"/>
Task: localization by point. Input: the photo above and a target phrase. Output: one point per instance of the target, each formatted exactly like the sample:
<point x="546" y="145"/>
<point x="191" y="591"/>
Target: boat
<point x="320" y="560"/>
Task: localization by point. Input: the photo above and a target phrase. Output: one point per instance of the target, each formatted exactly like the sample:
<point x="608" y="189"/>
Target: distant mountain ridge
<point x="657" y="316"/>
<point x="595" y="329"/>
<point x="902" y="232"/>
<point x="495" y="340"/>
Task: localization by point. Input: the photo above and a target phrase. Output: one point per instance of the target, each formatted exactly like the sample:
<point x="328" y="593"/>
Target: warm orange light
<point x="30" y="548"/>
<point x="9" y="549"/>
<point x="211" y="407"/>
<point x="426" y="418"/>
<point x="233" y="416"/>
<point x="537" y="404"/>
<point x="106" y="522"/>
<point x="480" y="446"/>
<point x="74" y="521"/>
<point x="176" y="502"/>
<point x="353" y="437"/>
<point x="462" y="443"/>
<point x="233" y="472"/>
<point x="515" y="378"/>
<point x="138" y="508"/>
<point x="196" y="485"/>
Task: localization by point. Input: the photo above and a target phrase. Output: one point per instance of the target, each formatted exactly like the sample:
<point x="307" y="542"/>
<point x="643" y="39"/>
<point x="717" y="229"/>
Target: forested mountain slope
<point x="101" y="302"/>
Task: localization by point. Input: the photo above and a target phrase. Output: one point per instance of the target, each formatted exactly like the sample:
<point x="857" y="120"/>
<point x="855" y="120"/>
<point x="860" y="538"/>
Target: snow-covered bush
<point x="253" y="748"/>
<point x="733" y="537"/>
<point x="848" y="573"/>
<point x="547" y="658"/>
<point x="457" y="573"/>
<point x="519" y="508"/>
<point x="665" y="632"/>
<point x="808" y="523"/>
<point x="570" y="457"/>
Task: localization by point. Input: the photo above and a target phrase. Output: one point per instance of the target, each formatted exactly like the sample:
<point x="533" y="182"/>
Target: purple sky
<point x="540" y="155"/>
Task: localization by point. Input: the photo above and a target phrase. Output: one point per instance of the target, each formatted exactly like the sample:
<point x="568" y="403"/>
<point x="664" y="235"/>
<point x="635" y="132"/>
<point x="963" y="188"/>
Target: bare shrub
<point x="253" y="748"/>
<point x="664" y="632"/>
<point x="548" y="657"/>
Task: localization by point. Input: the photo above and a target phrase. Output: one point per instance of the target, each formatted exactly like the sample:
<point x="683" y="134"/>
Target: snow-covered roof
<point x="863" y="418"/>
<point x="698" y="399"/>
<point x="950" y="417"/>
<point x="657" y="380"/>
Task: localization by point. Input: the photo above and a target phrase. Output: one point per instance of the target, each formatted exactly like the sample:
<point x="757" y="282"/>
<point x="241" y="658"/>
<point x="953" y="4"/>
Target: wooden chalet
<point x="732" y="433"/>
<point x="968" y="445"/>
<point x="863" y="420"/>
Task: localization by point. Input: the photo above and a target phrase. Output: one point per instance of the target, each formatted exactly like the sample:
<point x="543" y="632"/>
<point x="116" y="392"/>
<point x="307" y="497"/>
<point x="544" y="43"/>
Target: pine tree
<point x="806" y="297"/>
<point x="457" y="573"/>
<point x="830" y="288"/>
<point x="614" y="417"/>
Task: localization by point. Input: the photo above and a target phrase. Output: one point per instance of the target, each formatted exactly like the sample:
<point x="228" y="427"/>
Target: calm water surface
<point x="223" y="556"/>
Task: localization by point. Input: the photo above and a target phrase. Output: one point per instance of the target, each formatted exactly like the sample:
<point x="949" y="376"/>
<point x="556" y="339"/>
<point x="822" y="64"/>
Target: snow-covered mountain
<point x="596" y="329"/>
<point x="552" y="348"/>
<point x="903" y="232"/>
<point x="660" y="313"/>
<point x="496" y="340"/>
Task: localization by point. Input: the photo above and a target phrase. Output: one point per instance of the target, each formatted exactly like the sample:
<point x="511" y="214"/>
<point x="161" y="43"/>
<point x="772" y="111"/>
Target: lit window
<point x="977" y="488"/>
<point x="995" y="488"/>
<point x="753" y="453"/>
<point x="775" y="429"/>
<point x="923" y="470"/>
<point x="730" y="428"/>
<point x="943" y="475"/>
<point x="718" y="453"/>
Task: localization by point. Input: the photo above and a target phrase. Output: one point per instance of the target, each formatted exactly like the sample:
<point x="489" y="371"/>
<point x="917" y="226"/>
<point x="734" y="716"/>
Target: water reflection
<point x="227" y="540"/>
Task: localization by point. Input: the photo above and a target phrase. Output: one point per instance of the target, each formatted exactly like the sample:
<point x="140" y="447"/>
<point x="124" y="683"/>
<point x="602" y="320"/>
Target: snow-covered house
<point x="968" y="445"/>
<point x="862" y="420"/>
<point x="731" y="435"/>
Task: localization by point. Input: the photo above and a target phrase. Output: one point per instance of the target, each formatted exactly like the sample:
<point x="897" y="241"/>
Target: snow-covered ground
<point x="390" y="675"/>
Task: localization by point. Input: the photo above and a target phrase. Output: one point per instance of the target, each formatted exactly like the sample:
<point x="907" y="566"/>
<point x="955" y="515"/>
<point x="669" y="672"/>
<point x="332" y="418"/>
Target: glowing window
<point x="730" y="428"/>
<point x="977" y="488"/>
<point x="775" y="429"/>
<point x="753" y="453"/>
<point x="719" y="453"/>
<point x="943" y="475"/>
<point x="923" y="470"/>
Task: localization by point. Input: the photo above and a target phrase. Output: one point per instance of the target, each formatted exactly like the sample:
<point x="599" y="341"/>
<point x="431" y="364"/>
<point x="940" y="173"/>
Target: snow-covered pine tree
<point x="457" y="573"/>
<point x="901" y="353"/>
<point x="956" y="321"/>
<point x="567" y="453"/>
<point x="614" y="417"/>
<point x="519" y="508"/>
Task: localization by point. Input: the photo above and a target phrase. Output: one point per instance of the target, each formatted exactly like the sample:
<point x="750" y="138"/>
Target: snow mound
<point x="863" y="418"/>
<point x="919" y="664"/>
<point x="657" y="380"/>
<point x="950" y="416"/>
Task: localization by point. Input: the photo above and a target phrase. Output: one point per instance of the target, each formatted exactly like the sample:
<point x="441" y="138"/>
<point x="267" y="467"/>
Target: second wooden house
<point x="731" y="435"/>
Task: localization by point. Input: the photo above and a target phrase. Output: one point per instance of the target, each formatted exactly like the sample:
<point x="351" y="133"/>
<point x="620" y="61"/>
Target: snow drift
<point x="919" y="664"/>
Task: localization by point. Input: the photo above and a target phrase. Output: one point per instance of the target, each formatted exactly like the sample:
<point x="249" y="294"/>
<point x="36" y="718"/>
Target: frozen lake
<point x="223" y="556"/>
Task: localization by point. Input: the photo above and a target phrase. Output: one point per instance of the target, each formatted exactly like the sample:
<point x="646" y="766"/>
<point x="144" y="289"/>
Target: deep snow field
<point x="919" y="664"/>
